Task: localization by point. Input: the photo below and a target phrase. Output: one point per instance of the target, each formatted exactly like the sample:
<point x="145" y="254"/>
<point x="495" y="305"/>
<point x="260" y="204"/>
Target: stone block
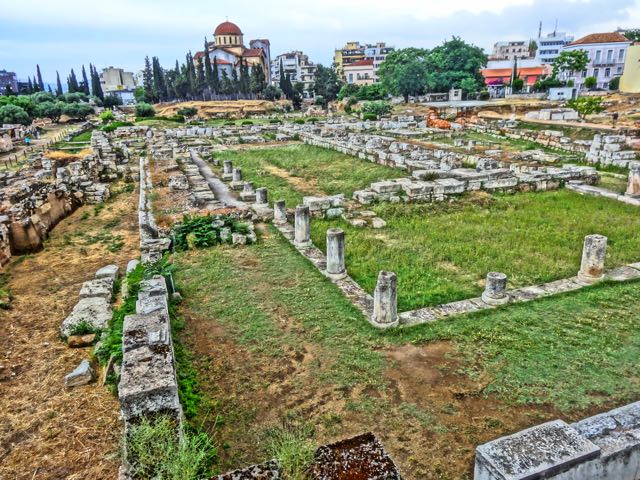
<point x="98" y="288"/>
<point x="82" y="375"/>
<point x="535" y="453"/>
<point x="110" y="271"/>
<point x="94" y="311"/>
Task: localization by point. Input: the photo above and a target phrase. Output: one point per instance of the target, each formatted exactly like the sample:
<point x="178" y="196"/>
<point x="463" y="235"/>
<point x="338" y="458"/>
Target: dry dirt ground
<point x="47" y="431"/>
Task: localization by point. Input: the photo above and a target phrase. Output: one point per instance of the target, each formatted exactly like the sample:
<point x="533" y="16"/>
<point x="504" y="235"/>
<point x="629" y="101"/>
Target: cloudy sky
<point x="63" y="34"/>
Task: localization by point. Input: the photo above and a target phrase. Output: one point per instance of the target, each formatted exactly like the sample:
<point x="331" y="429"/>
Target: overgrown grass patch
<point x="294" y="171"/>
<point x="442" y="252"/>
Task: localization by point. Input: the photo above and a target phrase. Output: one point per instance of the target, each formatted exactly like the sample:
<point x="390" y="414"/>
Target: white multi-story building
<point x="297" y="66"/>
<point x="510" y="50"/>
<point x="355" y="52"/>
<point x="550" y="46"/>
<point x="116" y="79"/>
<point x="607" y="54"/>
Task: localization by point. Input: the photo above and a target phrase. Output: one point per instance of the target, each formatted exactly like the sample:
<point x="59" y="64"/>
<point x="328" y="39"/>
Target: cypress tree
<point x="226" y="87"/>
<point x="147" y="79"/>
<point x="281" y="77"/>
<point x="39" y="76"/>
<point x="96" y="86"/>
<point x="191" y="74"/>
<point x="58" y="84"/>
<point x="208" y="72"/>
<point x="235" y="84"/>
<point x="200" y="77"/>
<point x="215" y="78"/>
<point x="85" y="81"/>
<point x="159" y="83"/>
<point x="73" y="82"/>
<point x="29" y="86"/>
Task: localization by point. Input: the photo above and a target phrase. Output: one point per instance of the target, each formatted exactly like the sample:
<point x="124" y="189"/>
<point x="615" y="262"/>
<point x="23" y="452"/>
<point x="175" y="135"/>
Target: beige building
<point x="630" y="80"/>
<point x="354" y="52"/>
<point x="362" y="72"/>
<point x="116" y="80"/>
<point x="511" y="50"/>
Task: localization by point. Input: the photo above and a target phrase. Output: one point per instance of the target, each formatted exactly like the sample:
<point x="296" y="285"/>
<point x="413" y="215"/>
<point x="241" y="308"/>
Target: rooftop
<point x="612" y="37"/>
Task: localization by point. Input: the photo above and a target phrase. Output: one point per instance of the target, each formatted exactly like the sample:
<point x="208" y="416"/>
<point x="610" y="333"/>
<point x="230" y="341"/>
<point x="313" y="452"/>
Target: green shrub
<point x="230" y="124"/>
<point x="247" y="122"/>
<point x="299" y="121"/>
<point x="112" y="126"/>
<point x="204" y="231"/>
<point x="144" y="110"/>
<point x="107" y="116"/>
<point x="83" y="328"/>
<point x="369" y="116"/>
<point x="188" y="112"/>
<point x="155" y="452"/>
<point x="275" y="120"/>
<point x="312" y="120"/>
<point x="484" y="95"/>
<point x="378" y="108"/>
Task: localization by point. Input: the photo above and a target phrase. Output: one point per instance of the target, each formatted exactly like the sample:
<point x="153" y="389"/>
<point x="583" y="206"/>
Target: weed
<point x="97" y="209"/>
<point x="83" y="328"/>
<point x="155" y="452"/>
<point x="291" y="445"/>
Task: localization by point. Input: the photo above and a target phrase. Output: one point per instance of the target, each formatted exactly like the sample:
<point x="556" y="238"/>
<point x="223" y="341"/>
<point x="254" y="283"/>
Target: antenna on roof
<point x="555" y="30"/>
<point x="540" y="30"/>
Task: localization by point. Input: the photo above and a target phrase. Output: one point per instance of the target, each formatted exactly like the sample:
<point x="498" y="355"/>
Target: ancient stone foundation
<point x="603" y="447"/>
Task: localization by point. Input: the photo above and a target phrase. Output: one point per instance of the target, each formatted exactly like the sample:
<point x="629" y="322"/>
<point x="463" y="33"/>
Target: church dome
<point x="227" y="28"/>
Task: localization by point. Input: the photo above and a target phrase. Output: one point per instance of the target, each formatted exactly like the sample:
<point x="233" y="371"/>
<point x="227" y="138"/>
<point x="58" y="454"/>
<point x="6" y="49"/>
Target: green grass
<point x="154" y="452"/>
<point x="442" y="252"/>
<point x="83" y="137"/>
<point x="291" y="445"/>
<point x="312" y="170"/>
<point x="575" y="133"/>
<point x="570" y="351"/>
<point x="615" y="184"/>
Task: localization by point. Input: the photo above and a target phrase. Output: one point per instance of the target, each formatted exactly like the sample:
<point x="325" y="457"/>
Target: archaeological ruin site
<point x="326" y="299"/>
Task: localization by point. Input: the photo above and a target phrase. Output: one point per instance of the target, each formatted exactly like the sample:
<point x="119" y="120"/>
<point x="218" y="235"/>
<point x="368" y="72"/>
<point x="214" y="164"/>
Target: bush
<point x="320" y="101"/>
<point x="377" y="108"/>
<point x="144" y="110"/>
<point x="275" y="120"/>
<point x="484" y="95"/>
<point x="188" y="112"/>
<point x="107" y="116"/>
<point x="586" y="105"/>
<point x="312" y="120"/>
<point x="112" y="126"/>
<point x="590" y="82"/>
<point x="111" y="101"/>
<point x="299" y="121"/>
<point x="614" y="84"/>
<point x="204" y="231"/>
<point x="371" y="117"/>
<point x="247" y="122"/>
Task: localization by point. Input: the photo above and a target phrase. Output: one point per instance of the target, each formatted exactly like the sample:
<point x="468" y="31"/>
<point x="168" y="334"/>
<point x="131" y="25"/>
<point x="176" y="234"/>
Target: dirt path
<point x="46" y="431"/>
<point x="299" y="183"/>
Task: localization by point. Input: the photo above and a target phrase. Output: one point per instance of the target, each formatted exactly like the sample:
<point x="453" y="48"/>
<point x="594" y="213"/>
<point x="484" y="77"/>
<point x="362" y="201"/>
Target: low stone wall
<point x="148" y="384"/>
<point x="548" y="138"/>
<point x="461" y="180"/>
<point x="612" y="150"/>
<point x="603" y="447"/>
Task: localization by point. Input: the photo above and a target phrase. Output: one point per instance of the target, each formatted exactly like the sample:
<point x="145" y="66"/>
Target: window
<point x="598" y="55"/>
<point x="619" y="70"/>
<point x="584" y="74"/>
<point x="596" y="72"/>
<point x="607" y="72"/>
<point x="609" y="55"/>
<point x="351" y="78"/>
<point x="621" y="56"/>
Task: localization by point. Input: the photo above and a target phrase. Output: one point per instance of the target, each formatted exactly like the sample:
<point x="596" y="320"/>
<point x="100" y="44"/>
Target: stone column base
<point x="495" y="301"/>
<point x="336" y="276"/>
<point x="384" y="326"/>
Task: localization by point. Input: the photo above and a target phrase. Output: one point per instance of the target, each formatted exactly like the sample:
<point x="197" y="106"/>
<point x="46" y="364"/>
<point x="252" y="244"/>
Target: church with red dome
<point x="228" y="50"/>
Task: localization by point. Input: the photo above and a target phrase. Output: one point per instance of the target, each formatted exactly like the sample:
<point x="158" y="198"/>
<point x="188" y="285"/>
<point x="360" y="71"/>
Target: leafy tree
<point x="452" y="62"/>
<point x="107" y="117"/>
<point x="533" y="48"/>
<point x="614" y="84"/>
<point x="404" y="72"/>
<point x="633" y="35"/>
<point x="271" y="92"/>
<point x="590" y="83"/>
<point x="41" y="97"/>
<point x="159" y="84"/>
<point x="75" y="97"/>
<point x="85" y="81"/>
<point x="348" y="90"/>
<point x="14" y="114"/>
<point x="235" y="83"/>
<point x="570" y="61"/>
<point x="327" y="84"/>
<point x="39" y="77"/>
<point x="547" y="83"/>
<point x="297" y="95"/>
<point x="58" y="85"/>
<point x="79" y="111"/>
<point x="469" y="86"/>
<point x="144" y="110"/>
<point x="586" y="105"/>
<point x="111" y="101"/>
<point x="140" y="95"/>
